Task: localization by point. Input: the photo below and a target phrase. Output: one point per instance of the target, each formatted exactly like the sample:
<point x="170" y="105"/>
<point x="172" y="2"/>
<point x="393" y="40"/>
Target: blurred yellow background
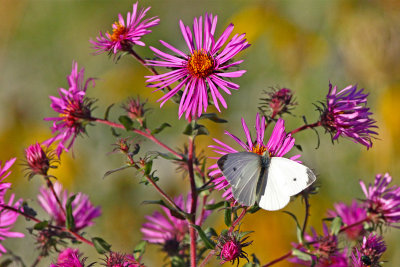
<point x="299" y="44"/>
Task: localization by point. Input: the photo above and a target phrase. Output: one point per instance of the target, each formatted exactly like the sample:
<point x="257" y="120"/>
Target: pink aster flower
<point x="231" y="246"/>
<point x="277" y="102"/>
<point x="278" y="145"/>
<point x="370" y="251"/>
<point x="350" y="214"/>
<point x="82" y="209"/>
<point x="38" y="161"/>
<point x="7" y="217"/>
<point x="324" y="250"/>
<point x="74" y="110"/>
<point x="126" y="34"/>
<point x="168" y="230"/>
<point x="346" y="114"/>
<point x="382" y="202"/>
<point x="201" y="71"/>
<point x="69" y="258"/>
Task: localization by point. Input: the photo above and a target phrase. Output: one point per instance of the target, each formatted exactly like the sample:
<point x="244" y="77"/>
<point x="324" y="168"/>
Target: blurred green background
<point x="299" y="44"/>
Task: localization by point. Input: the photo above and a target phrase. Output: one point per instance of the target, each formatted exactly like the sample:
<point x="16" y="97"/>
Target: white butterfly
<point x="268" y="181"/>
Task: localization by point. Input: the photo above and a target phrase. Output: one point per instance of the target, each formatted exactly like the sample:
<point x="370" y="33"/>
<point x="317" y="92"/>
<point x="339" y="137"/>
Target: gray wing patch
<point x="242" y="171"/>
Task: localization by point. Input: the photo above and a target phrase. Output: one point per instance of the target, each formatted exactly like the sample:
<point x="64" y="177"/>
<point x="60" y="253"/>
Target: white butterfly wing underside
<point x="285" y="178"/>
<point x="242" y="171"/>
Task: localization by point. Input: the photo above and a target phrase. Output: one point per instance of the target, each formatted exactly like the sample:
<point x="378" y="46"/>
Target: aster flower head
<point x="370" y="251"/>
<point x="115" y="259"/>
<point x="230" y="246"/>
<point x="135" y="108"/>
<point x="202" y="71"/>
<point x="278" y="145"/>
<point x="346" y="114"/>
<point x="167" y="230"/>
<point x="325" y="251"/>
<point x="277" y="102"/>
<point x="382" y="202"/>
<point x="127" y="33"/>
<point x="38" y="161"/>
<point x="74" y="109"/>
<point x="350" y="214"/>
<point x="69" y="258"/>
<point x="82" y="209"/>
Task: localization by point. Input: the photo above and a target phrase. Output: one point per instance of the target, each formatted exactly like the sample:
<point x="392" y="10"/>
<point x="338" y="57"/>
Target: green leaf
<point x="253" y="209"/>
<point x="207" y="241"/>
<point x="139" y="250"/>
<point x="336" y="225"/>
<point x="213" y="117"/>
<point x="115" y="170"/>
<point x="210" y="232"/>
<point x="301" y="255"/>
<point x="114" y="132"/>
<point x="126" y="122"/>
<point x="157" y="202"/>
<point x="159" y="129"/>
<point x="108" y="111"/>
<point x="70" y="222"/>
<point x="188" y="129"/>
<point x="298" y="227"/>
<point x="177" y="261"/>
<point x="155" y="154"/>
<point x="41" y="225"/>
<point x="228" y="215"/>
<point x="147" y="167"/>
<point x="201" y="130"/>
<point x="214" y="206"/>
<point x="101" y="245"/>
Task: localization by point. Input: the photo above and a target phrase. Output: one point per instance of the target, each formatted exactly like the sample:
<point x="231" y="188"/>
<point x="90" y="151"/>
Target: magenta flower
<point x="69" y="258"/>
<point x="202" y="70"/>
<point x="125" y="35"/>
<point x="370" y="251"/>
<point x="350" y="214"/>
<point x="324" y="250"/>
<point x="37" y="160"/>
<point x="7" y="217"/>
<point x="82" y="209"/>
<point x="74" y="110"/>
<point x="383" y="202"/>
<point x="278" y="102"/>
<point x="231" y="246"/>
<point x="278" y="145"/>
<point x="347" y="115"/>
<point x="168" y="230"/>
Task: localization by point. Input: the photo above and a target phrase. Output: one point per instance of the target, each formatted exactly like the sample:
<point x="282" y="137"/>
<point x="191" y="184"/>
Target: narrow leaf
<point x="188" y="130"/>
<point x="159" y="129"/>
<point x="228" y="215"/>
<point x="108" y="111"/>
<point x="101" y="245"/>
<point x="214" y="206"/>
<point x="70" y="221"/>
<point x="41" y="225"/>
<point x="139" y="249"/>
<point x="336" y="225"/>
<point x="126" y="122"/>
<point x="301" y="255"/>
<point x="115" y="170"/>
<point x="207" y="241"/>
<point x="298" y="227"/>
<point x="213" y="117"/>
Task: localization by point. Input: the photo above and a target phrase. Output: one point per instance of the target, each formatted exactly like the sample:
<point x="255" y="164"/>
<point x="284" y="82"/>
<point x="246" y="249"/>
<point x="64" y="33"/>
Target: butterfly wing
<point x="242" y="171"/>
<point x="284" y="178"/>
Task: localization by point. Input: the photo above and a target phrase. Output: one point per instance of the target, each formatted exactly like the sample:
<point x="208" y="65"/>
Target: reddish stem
<point x="287" y="255"/>
<point x="193" y="204"/>
<point x="50" y="185"/>
<point x="142" y="61"/>
<point x="212" y="253"/>
<point x="312" y="125"/>
<point x="236" y="222"/>
<point x="146" y="134"/>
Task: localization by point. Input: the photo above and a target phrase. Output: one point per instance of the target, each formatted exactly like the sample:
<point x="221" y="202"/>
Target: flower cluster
<point x="74" y="110"/>
<point x="370" y="251"/>
<point x="202" y="70"/>
<point x="82" y="209"/>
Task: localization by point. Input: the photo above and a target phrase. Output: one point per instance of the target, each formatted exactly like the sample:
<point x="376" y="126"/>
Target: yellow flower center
<point x="259" y="149"/>
<point x="200" y="64"/>
<point x="119" y="30"/>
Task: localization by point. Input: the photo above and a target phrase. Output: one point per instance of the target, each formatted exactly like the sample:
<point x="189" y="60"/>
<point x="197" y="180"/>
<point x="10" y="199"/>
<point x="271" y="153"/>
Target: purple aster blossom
<point x="230" y="246"/>
<point x="202" y="70"/>
<point x="324" y="250"/>
<point x="346" y="114"/>
<point x="74" y="110"/>
<point x="125" y="34"/>
<point x="168" y="230"/>
<point x="7" y="217"/>
<point x="382" y="202"/>
<point x="278" y="145"/>
<point x="370" y="251"/>
<point x="350" y="214"/>
<point x="69" y="258"/>
<point x="82" y="209"/>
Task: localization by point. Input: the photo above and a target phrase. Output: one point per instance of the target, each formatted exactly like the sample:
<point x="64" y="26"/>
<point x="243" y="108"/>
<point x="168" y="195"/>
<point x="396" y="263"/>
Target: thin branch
<point x="307" y="126"/>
